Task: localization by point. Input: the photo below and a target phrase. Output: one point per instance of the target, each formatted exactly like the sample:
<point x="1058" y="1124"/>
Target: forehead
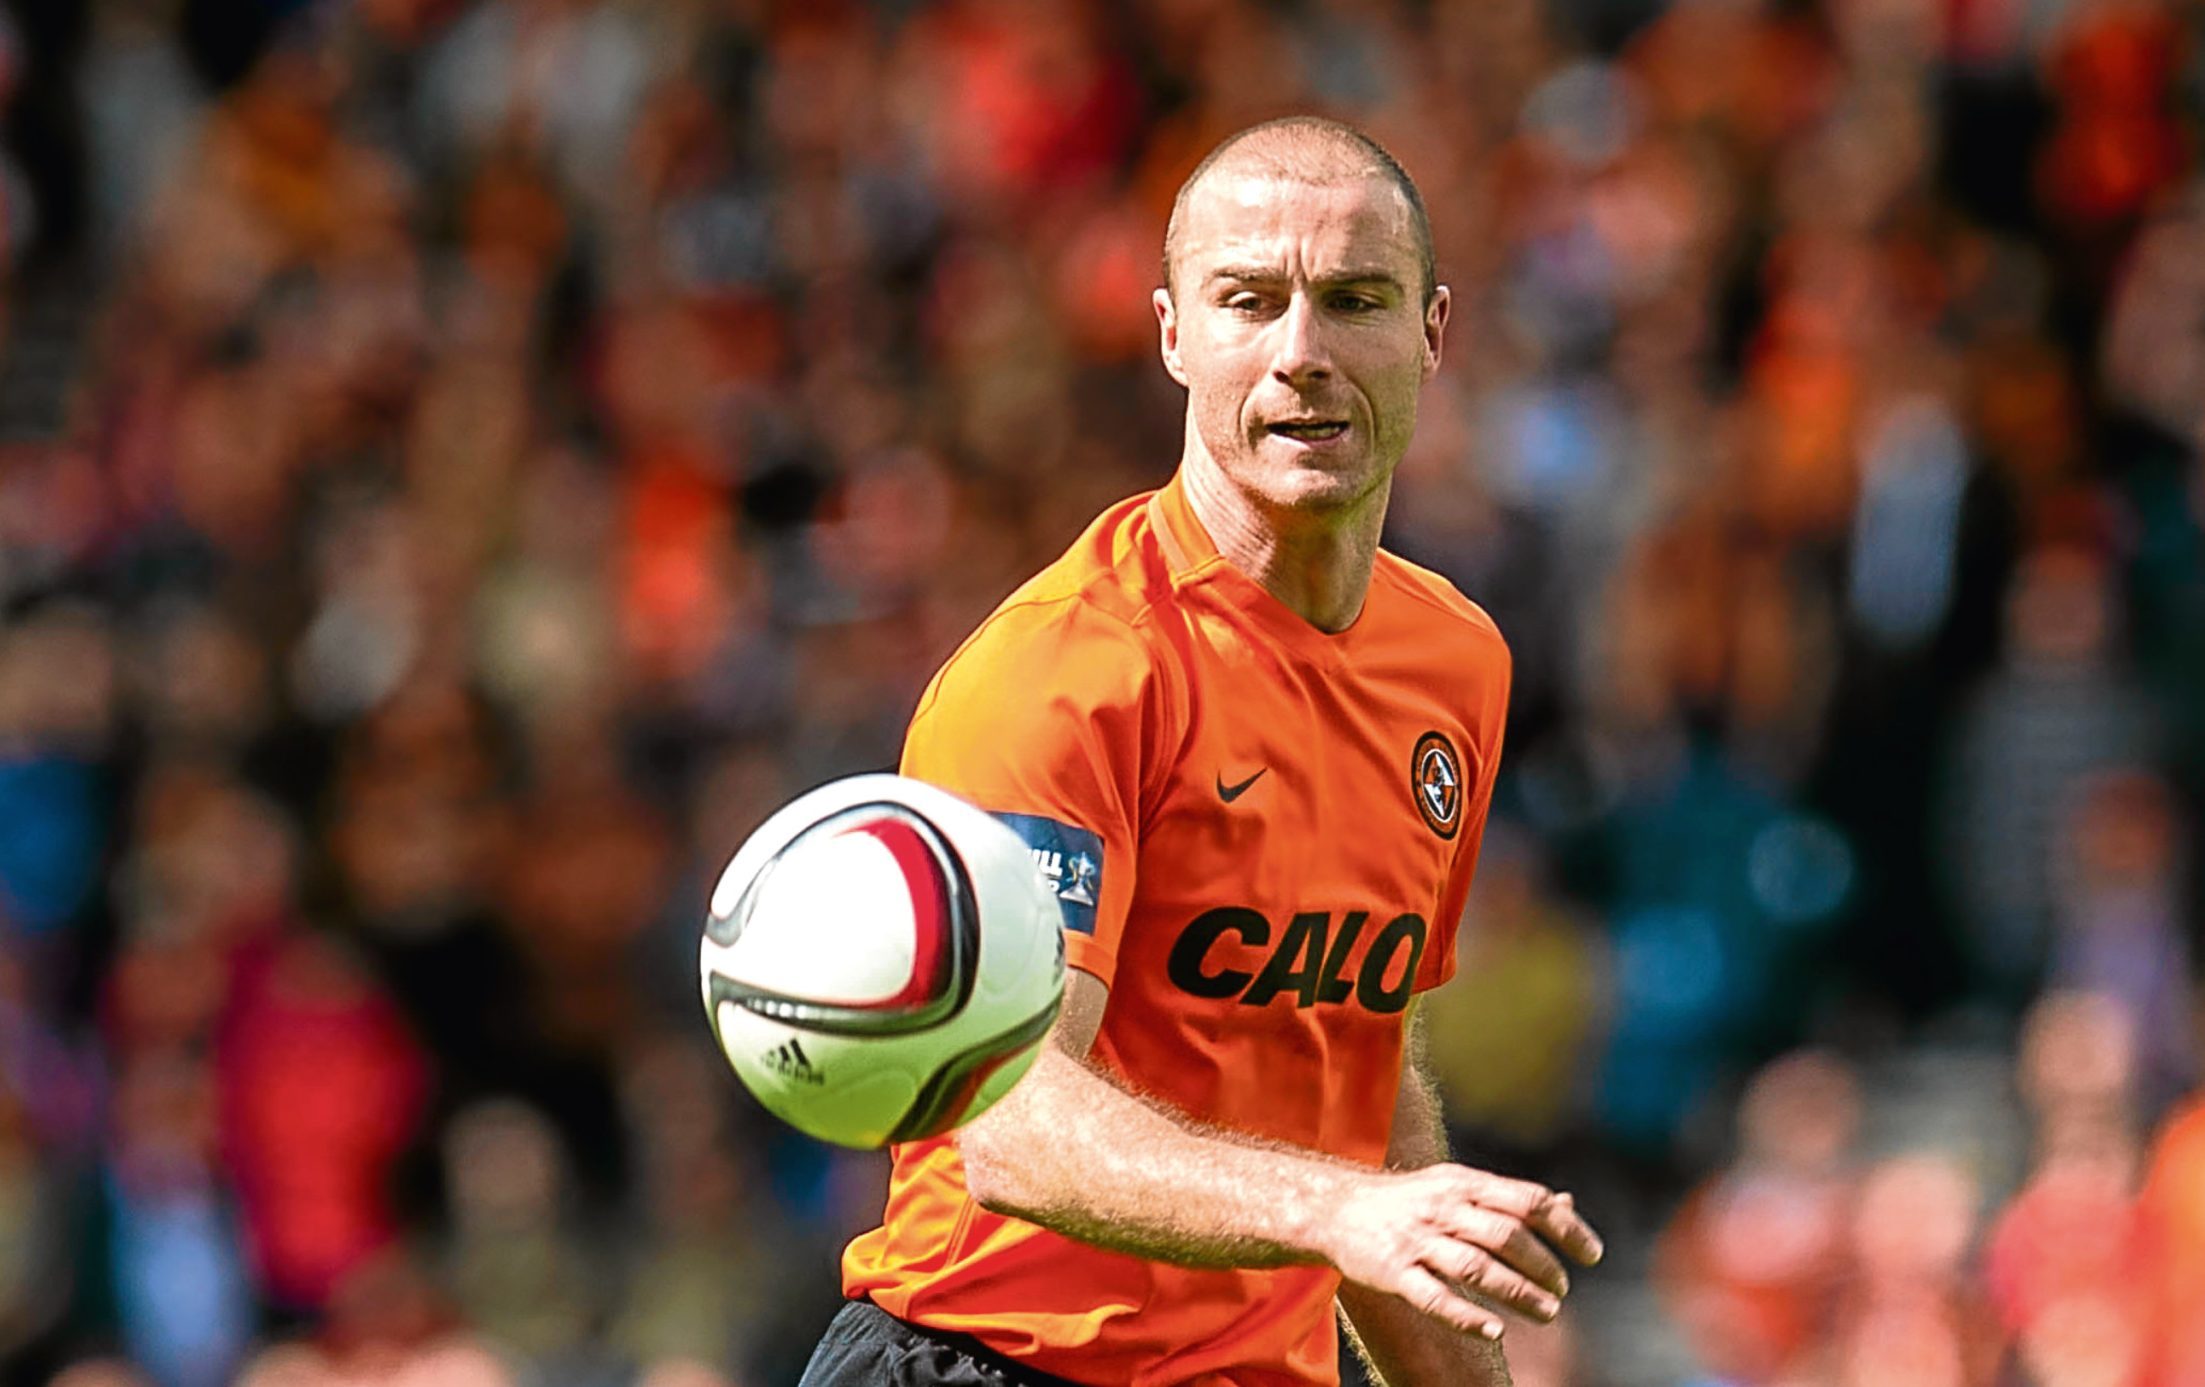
<point x="1253" y="218"/>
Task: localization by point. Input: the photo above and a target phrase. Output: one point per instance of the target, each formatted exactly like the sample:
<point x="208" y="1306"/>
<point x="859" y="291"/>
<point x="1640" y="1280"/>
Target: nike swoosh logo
<point x="1229" y="793"/>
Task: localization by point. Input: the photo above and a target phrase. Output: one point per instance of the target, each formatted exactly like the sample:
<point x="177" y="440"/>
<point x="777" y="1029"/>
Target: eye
<point x="1356" y="303"/>
<point x="1243" y="301"/>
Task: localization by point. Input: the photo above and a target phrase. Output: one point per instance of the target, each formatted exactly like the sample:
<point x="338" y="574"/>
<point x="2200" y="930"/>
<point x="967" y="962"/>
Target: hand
<point x="1434" y="1236"/>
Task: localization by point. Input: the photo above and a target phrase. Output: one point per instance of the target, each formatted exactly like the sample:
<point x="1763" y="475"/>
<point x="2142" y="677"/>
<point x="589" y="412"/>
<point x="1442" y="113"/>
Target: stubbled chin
<point x="1306" y="482"/>
<point x="1344" y="457"/>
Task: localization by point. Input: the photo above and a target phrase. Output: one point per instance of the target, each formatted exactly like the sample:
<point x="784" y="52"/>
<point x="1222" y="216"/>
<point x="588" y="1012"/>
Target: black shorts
<point x="865" y="1346"/>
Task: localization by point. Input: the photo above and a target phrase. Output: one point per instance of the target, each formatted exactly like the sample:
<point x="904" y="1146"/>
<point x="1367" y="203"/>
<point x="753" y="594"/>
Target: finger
<point x="1429" y="1295"/>
<point x="1553" y="1216"/>
<point x="1559" y="1222"/>
<point x="1494" y="1280"/>
<point x="1510" y="1240"/>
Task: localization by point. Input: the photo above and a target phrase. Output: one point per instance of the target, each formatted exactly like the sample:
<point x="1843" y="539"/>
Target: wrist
<point x="1314" y="1216"/>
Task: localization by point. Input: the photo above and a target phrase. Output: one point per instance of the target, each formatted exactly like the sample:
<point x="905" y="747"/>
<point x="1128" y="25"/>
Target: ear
<point x="1435" y="328"/>
<point x="1167" y="324"/>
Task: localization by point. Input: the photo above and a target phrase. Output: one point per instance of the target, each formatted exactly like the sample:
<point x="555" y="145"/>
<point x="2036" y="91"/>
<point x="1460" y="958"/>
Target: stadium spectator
<point x="1753" y="1262"/>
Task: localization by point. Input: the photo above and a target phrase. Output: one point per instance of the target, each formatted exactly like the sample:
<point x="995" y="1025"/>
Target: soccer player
<point x="1254" y="751"/>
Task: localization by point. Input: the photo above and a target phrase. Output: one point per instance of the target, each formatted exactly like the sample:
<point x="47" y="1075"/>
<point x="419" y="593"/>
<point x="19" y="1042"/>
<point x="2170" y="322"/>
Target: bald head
<point x="1303" y="149"/>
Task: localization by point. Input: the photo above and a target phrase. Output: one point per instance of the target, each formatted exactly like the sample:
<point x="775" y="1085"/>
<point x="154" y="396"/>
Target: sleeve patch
<point x="1069" y="859"/>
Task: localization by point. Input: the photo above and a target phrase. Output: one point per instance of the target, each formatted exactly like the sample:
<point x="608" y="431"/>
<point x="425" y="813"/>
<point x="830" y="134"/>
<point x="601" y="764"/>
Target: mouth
<point x="1308" y="430"/>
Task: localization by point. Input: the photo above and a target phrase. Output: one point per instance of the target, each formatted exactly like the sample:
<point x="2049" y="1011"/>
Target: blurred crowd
<point x="464" y="462"/>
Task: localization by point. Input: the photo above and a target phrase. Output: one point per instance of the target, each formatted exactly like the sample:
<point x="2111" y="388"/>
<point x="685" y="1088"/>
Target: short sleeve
<point x="1489" y="723"/>
<point x="1050" y="717"/>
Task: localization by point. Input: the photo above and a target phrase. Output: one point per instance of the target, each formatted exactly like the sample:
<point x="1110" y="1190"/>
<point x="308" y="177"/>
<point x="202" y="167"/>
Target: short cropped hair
<point x="1302" y="148"/>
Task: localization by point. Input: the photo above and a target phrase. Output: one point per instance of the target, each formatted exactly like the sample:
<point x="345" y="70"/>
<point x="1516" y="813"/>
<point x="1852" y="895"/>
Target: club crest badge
<point x="1435" y="782"/>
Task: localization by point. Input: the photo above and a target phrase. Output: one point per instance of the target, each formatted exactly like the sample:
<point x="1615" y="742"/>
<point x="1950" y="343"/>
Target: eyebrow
<point x="1266" y="274"/>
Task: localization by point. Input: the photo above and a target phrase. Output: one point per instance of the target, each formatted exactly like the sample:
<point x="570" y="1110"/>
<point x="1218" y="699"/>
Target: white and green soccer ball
<point x="881" y="961"/>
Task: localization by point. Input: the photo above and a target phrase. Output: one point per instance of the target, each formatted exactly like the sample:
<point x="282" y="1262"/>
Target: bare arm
<point x="1072" y="1151"/>
<point x="1400" y="1346"/>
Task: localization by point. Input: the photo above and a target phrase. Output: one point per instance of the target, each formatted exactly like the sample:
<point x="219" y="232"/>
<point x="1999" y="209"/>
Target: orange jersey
<point x="1262" y="836"/>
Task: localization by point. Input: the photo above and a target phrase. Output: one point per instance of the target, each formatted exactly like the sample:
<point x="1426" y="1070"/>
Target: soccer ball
<point x="881" y="961"/>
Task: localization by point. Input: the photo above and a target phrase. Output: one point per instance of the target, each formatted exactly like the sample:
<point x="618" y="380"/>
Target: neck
<point x="1317" y="563"/>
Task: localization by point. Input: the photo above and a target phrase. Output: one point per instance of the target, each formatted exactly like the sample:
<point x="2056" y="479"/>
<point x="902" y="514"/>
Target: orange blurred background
<point x="463" y="462"/>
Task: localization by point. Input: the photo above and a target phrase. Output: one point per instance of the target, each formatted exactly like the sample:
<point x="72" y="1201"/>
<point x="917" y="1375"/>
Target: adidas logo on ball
<point x="790" y="1062"/>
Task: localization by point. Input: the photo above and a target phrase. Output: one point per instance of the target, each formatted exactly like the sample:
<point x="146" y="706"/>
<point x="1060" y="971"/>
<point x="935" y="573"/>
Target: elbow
<point x="1005" y="1163"/>
<point x="991" y="1173"/>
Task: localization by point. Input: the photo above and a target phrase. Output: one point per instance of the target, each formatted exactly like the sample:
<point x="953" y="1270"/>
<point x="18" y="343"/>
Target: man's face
<point x="1296" y="321"/>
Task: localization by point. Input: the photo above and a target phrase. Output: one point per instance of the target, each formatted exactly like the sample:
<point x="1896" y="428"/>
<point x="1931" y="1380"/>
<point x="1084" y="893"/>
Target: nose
<point x="1302" y="356"/>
